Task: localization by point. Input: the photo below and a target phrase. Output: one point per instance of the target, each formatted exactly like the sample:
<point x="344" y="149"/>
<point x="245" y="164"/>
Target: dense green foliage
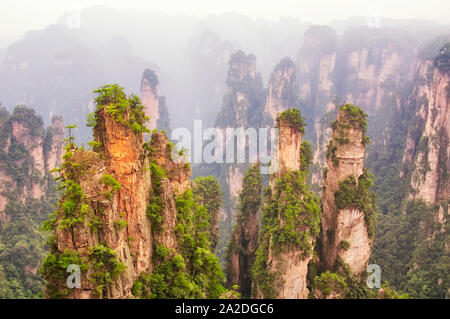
<point x="156" y="205"/>
<point x="306" y="156"/>
<point x="193" y="271"/>
<point x="328" y="283"/>
<point x="106" y="267"/>
<point x="354" y="116"/>
<point x="54" y="271"/>
<point x="250" y="196"/>
<point x="126" y="110"/>
<point x="22" y="243"/>
<point x="354" y="193"/>
<point x="249" y="203"/>
<point x="207" y="192"/>
<point x="299" y="209"/>
<point x="293" y="118"/>
<point x="412" y="260"/>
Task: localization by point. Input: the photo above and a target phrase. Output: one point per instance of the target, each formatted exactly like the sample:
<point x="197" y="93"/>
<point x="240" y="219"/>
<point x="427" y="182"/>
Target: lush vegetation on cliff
<point x="126" y="110"/>
<point x="290" y="218"/>
<point x="192" y="271"/>
<point x="249" y="204"/>
<point x="355" y="193"/>
<point x="292" y="118"/>
<point x="22" y="243"/>
<point x="207" y="192"/>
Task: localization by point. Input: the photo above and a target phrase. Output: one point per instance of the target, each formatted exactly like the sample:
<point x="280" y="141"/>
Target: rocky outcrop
<point x="54" y="142"/>
<point x="427" y="153"/>
<point x="154" y="105"/>
<point x="128" y="213"/>
<point x="244" y="240"/>
<point x="316" y="64"/>
<point x="290" y="221"/>
<point x="242" y="106"/>
<point x="245" y="93"/>
<point x="373" y="67"/>
<point x="28" y="153"/>
<point x="25" y="156"/>
<point x="178" y="172"/>
<point x="289" y="143"/>
<point x="282" y="91"/>
<point x="347" y="207"/>
<point x="113" y="187"/>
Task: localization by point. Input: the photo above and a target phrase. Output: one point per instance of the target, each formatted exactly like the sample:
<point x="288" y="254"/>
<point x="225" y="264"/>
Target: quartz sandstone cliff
<point x="427" y="155"/>
<point x="244" y="240"/>
<point x="102" y="219"/>
<point x="128" y="214"/>
<point x="155" y="105"/>
<point x="282" y="91"/>
<point x="290" y="221"/>
<point x="346" y="238"/>
<point x="37" y="151"/>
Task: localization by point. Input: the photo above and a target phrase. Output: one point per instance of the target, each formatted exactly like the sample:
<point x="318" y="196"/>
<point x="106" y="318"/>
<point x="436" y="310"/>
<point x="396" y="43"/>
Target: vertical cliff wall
<point x="101" y="222"/>
<point x="28" y="153"/>
<point x="244" y="240"/>
<point x="348" y="207"/>
<point x="370" y="67"/>
<point x="427" y="154"/>
<point x="128" y="217"/>
<point x="242" y="107"/>
<point x="290" y="222"/>
<point x="282" y="91"/>
<point x="316" y="63"/>
<point x="421" y="217"/>
<point x="154" y="105"/>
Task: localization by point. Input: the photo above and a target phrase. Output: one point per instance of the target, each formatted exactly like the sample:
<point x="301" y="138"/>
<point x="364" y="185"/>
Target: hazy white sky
<point x="19" y="16"/>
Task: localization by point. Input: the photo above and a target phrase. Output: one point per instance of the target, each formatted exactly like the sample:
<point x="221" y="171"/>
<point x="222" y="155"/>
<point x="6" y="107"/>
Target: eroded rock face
<point x="365" y="67"/>
<point x="281" y="266"/>
<point x="316" y="64"/>
<point x="292" y="266"/>
<point x="244" y="240"/>
<point x="290" y="141"/>
<point x="118" y="199"/>
<point x="23" y="134"/>
<point x="178" y="172"/>
<point x="428" y="156"/>
<point x="124" y="160"/>
<point x="345" y="235"/>
<point x="282" y="91"/>
<point x="55" y="134"/>
<point x="154" y="105"/>
<point x="242" y="108"/>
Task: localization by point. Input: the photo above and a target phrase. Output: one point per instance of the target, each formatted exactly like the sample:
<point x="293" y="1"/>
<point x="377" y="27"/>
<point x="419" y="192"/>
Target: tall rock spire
<point x="290" y="221"/>
<point x="348" y="205"/>
<point x="154" y="105"/>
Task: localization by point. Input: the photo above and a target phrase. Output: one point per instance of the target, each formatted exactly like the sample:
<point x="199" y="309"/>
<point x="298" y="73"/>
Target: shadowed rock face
<point x="347" y="225"/>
